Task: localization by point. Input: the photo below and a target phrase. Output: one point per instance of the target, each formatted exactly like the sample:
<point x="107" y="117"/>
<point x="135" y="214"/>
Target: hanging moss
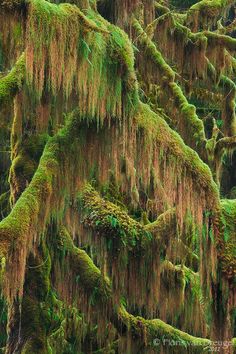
<point x="167" y="76"/>
<point x="199" y="47"/>
<point x="89" y="274"/>
<point x="164" y="333"/>
<point x="158" y="128"/>
<point x="19" y="226"/>
<point x="25" y="158"/>
<point x="146" y="330"/>
<point x="77" y="62"/>
<point x="94" y="58"/>
<point x="205" y="12"/>
<point x="173" y="278"/>
<point x="228" y="251"/>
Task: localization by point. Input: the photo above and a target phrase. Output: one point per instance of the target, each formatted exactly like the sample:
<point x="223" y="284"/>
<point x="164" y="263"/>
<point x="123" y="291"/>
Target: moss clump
<point x="13" y="81"/>
<point x="164" y="223"/>
<point x="111" y="221"/>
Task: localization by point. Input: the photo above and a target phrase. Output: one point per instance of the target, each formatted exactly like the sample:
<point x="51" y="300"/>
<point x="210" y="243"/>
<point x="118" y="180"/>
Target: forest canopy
<point x="117" y="176"/>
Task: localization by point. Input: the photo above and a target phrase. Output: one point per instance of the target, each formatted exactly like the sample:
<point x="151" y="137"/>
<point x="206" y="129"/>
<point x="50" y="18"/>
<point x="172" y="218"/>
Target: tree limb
<point x="12" y="82"/>
<point x="145" y="330"/>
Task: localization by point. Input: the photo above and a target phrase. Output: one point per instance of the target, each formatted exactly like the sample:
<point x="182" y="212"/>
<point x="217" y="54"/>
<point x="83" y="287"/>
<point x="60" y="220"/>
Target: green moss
<point x="164" y="223"/>
<point x="96" y="60"/>
<point x="155" y="126"/>
<point x="112" y="222"/>
<point x="173" y="277"/>
<point x="160" y="9"/>
<point x="12" y="82"/>
<point x="222" y="41"/>
<point x="191" y="125"/>
<point x="157" y="331"/>
<point x="103" y="59"/>
<point x="227" y="246"/>
<point x="112" y="191"/>
<point x="71" y="331"/>
<point x="32" y="208"/>
<point x="22" y="166"/>
<point x="86" y="271"/>
<point x="26" y="155"/>
<point x="206" y="12"/>
<point x="35" y="320"/>
<point x="145" y="330"/>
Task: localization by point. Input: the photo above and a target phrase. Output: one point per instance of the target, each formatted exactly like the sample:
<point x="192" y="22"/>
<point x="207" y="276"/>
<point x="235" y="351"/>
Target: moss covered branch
<point x="156" y="128"/>
<point x="163" y="223"/>
<point x="147" y="331"/>
<point x="224" y="145"/>
<point x="111" y="221"/>
<point x="226" y="30"/>
<point x="29" y="215"/>
<point x="157" y="333"/>
<point x="82" y="265"/>
<point x="187" y="112"/>
<point x="12" y="82"/>
<point x="205" y="13"/>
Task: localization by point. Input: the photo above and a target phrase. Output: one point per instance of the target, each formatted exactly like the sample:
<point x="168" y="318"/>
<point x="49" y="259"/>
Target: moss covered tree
<point x="117" y="171"/>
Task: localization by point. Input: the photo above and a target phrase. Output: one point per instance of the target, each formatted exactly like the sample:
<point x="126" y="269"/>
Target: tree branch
<point x="205" y="12"/>
<point x="187" y="118"/>
<point x="147" y="331"/>
<point x="224" y="144"/>
<point x="110" y="220"/>
<point x="12" y="82"/>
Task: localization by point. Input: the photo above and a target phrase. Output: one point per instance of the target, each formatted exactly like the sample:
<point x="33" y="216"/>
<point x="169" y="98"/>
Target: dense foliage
<point x="117" y="176"/>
